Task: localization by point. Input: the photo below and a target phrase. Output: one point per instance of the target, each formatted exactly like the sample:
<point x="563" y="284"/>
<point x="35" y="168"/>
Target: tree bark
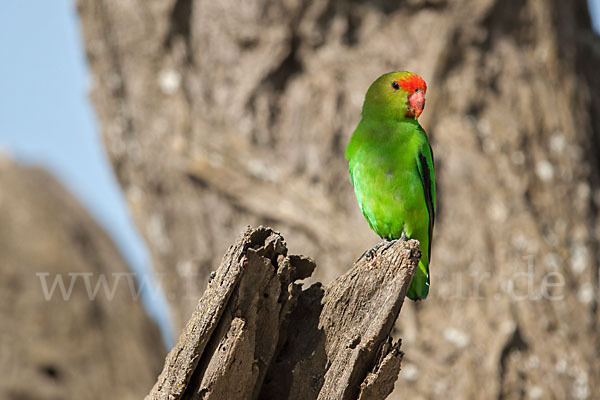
<point x="256" y="334"/>
<point x="222" y="114"/>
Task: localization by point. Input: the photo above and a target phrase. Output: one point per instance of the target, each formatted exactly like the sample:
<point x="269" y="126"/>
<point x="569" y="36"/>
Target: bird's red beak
<point x="416" y="104"/>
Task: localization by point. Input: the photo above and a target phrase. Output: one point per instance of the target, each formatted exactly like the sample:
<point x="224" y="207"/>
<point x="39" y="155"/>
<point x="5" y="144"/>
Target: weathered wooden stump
<point x="256" y="334"/>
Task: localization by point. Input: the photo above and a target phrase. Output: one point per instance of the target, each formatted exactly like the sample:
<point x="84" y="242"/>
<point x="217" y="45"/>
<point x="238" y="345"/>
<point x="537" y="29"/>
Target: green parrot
<point x="391" y="167"/>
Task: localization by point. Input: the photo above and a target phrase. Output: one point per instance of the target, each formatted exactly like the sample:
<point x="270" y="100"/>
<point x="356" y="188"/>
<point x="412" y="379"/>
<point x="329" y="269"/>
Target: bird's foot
<point x="372" y="252"/>
<point x="390" y="243"/>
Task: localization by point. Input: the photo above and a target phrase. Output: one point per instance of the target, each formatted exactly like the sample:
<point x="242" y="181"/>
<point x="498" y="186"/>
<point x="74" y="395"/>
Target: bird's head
<point x="396" y="95"/>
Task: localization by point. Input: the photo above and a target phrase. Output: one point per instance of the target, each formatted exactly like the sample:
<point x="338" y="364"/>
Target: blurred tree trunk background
<point x="222" y="114"/>
<point x="55" y="342"/>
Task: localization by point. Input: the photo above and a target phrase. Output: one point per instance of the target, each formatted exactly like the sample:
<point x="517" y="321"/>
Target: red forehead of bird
<point x="412" y="83"/>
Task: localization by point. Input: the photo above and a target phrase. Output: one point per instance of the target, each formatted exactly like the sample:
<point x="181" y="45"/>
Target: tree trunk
<point x="220" y="114"/>
<point x="256" y="334"/>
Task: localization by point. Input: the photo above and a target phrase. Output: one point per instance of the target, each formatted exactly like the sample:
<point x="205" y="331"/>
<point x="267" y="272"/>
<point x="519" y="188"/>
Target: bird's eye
<point x="395" y="85"/>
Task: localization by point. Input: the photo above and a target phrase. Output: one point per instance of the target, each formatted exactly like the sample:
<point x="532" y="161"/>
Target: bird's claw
<point x="370" y="254"/>
<point x="390" y="243"/>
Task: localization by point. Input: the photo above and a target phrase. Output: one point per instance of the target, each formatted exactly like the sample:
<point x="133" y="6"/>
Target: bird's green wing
<point x="425" y="166"/>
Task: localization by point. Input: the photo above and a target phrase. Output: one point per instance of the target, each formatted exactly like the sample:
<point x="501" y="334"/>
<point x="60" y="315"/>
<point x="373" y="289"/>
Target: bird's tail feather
<point x="419" y="287"/>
